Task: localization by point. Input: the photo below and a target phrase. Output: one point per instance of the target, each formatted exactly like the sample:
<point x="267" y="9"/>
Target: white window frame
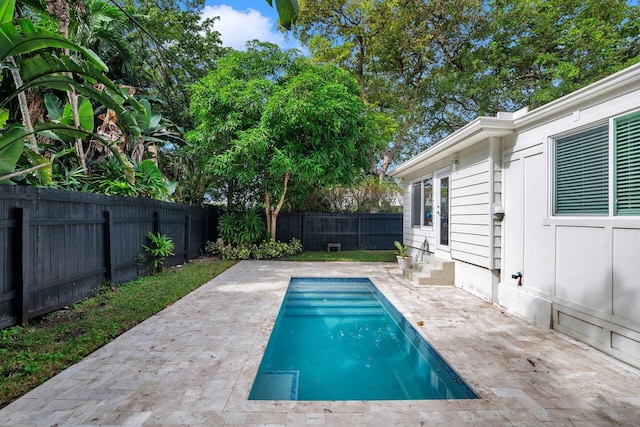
<point x="611" y="202"/>
<point x="421" y="181"/>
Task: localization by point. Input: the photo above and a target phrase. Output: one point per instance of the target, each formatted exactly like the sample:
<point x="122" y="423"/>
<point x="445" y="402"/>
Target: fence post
<point x="109" y="250"/>
<point x="359" y="229"/>
<point x="303" y="228"/>
<point x="156" y="222"/>
<point x="22" y="294"/>
<point x="206" y="223"/>
<point x="187" y="235"/>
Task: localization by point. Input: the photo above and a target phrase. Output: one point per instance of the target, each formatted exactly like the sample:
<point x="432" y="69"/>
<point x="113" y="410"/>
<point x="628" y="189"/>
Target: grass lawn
<point x="32" y="354"/>
<point x="352" y="256"/>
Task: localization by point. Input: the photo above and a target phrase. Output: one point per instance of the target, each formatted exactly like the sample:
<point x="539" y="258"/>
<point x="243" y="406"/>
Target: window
<point x="582" y="173"/>
<point x="416" y="211"/>
<point x="422" y="203"/>
<point x="583" y="179"/>
<point x="627" y="165"/>
<point x="427" y="201"/>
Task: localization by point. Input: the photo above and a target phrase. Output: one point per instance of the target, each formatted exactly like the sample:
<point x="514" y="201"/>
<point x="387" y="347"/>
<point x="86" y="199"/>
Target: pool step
<point x="332" y="298"/>
<point x="335" y="311"/>
<point x="333" y="304"/>
<point x="432" y="271"/>
<point x="276" y="385"/>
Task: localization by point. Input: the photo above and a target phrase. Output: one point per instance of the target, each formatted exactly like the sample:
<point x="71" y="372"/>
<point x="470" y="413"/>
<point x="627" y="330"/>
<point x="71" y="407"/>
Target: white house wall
<point x="474" y="238"/>
<point x="580" y="274"/>
<point x="470" y="208"/>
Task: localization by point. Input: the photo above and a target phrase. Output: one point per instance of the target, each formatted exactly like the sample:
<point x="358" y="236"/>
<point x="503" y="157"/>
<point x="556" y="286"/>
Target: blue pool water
<point x="341" y="339"/>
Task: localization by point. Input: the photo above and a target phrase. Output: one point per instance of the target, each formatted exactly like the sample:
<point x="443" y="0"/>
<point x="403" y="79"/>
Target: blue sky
<point x="243" y="20"/>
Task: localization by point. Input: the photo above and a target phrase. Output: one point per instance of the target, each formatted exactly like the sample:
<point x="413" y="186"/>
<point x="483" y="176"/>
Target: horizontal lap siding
<point x="470" y="211"/>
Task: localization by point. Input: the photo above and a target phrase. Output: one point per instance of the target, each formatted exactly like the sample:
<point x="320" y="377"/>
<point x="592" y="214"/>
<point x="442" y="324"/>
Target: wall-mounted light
<point x="455" y="163"/>
<point x="498" y="212"/>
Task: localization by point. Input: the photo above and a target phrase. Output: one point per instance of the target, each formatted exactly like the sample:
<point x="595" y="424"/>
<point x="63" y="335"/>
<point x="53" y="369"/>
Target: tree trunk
<point x="388" y="156"/>
<point x="267" y="210"/>
<point x="272" y="216"/>
<point x="24" y="107"/>
<point x="60" y="10"/>
<point x="73" y="100"/>
<point x="274" y="221"/>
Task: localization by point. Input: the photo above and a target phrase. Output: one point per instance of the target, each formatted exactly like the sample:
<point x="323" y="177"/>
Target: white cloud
<point x="237" y="27"/>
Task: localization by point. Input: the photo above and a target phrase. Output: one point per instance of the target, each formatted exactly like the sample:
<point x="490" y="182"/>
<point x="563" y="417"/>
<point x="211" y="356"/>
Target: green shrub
<point x="242" y="228"/>
<point x="109" y="178"/>
<point x="161" y="247"/>
<point x="265" y="250"/>
<point x="212" y="248"/>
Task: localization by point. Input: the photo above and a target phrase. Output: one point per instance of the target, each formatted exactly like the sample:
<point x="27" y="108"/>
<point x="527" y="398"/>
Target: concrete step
<point x="431" y="271"/>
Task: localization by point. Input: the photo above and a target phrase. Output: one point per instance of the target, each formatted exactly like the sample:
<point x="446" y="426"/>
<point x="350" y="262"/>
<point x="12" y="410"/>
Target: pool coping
<point x="194" y="364"/>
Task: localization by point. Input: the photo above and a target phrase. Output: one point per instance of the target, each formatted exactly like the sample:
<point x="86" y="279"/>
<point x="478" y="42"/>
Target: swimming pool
<point x="341" y="339"/>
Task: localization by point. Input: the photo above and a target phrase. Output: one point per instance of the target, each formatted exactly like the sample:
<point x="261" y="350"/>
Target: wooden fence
<point x="352" y="231"/>
<point x="57" y="247"/>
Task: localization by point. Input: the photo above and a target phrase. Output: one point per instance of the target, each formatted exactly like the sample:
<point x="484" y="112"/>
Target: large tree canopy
<point x="265" y="119"/>
<point x="384" y="44"/>
<point x="431" y="66"/>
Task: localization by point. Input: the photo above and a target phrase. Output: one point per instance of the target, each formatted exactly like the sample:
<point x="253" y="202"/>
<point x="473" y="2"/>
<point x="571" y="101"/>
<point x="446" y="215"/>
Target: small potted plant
<point x="404" y="260"/>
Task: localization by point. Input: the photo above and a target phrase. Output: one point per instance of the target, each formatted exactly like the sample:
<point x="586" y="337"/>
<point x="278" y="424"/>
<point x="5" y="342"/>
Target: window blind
<point x="582" y="173"/>
<point x="627" y="164"/>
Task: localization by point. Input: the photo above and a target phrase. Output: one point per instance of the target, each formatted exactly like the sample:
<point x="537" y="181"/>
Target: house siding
<point x="582" y="268"/>
<point x="471" y="207"/>
<point x="580" y="273"/>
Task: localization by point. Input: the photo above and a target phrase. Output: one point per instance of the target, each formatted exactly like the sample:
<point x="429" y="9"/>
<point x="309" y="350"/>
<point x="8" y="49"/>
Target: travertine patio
<point x="194" y="364"/>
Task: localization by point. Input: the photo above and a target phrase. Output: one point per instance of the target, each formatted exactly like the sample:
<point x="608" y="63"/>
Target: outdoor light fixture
<point x="498" y="212"/>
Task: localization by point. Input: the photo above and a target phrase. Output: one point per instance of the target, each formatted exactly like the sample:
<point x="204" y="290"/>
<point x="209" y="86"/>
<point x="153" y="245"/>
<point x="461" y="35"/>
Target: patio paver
<point x="194" y="364"/>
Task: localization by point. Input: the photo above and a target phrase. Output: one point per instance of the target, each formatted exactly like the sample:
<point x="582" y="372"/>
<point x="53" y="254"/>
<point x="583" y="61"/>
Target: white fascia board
<point x="477" y="130"/>
<point x="629" y="77"/>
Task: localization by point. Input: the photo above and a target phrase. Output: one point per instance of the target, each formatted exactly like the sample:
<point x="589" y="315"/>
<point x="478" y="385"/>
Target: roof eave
<point x="626" y="78"/>
<point x="473" y="132"/>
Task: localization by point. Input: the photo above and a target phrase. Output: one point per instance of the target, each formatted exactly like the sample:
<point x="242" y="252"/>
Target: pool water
<point x="341" y="339"/>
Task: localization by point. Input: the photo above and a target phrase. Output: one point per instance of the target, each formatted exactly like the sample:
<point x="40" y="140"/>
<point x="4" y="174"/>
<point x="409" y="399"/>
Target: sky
<point x="244" y="20"/>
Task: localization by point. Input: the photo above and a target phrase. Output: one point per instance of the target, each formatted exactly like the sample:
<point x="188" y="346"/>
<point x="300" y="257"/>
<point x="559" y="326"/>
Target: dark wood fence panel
<point x="58" y="247"/>
<point x="352" y="231"/>
<point x="379" y="231"/>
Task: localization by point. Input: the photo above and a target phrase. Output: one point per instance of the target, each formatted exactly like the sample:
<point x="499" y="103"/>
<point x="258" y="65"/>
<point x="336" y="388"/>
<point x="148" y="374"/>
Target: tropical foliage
<point x="160" y="247"/>
<point x="98" y="95"/>
<point x="266" y="117"/>
<point x="101" y="121"/>
<point x="241" y="228"/>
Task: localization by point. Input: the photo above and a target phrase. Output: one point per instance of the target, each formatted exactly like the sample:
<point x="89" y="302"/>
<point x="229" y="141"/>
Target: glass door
<point x="442" y="211"/>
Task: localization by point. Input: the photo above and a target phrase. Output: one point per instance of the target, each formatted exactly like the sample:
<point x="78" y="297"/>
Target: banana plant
<point x="62" y="113"/>
<point x="287" y="11"/>
<point x="49" y="71"/>
<point x="11" y="146"/>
